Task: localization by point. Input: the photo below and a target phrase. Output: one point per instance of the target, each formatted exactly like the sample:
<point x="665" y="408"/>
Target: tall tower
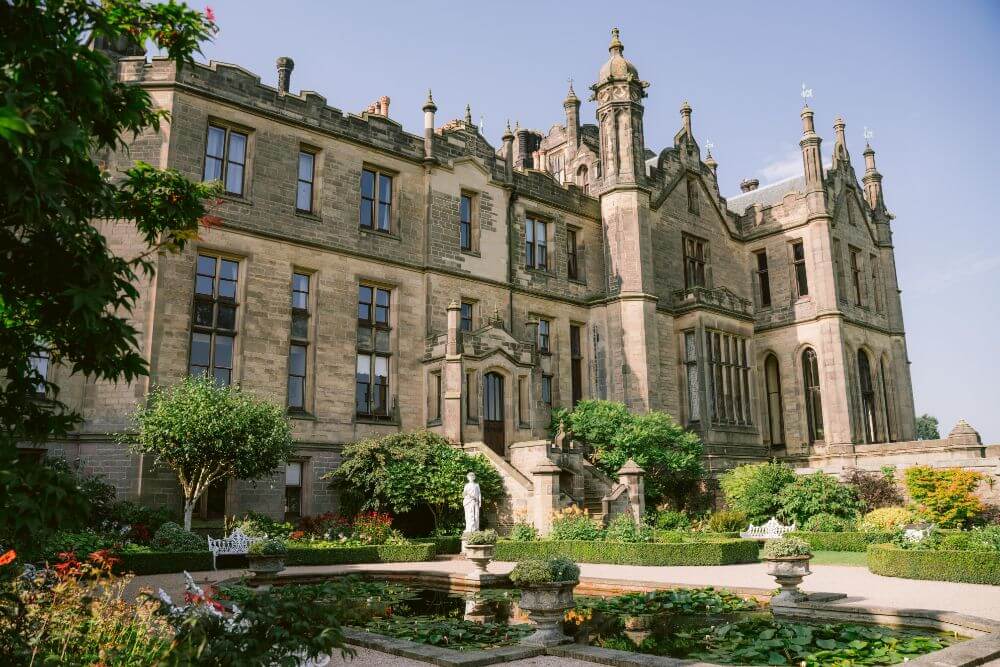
<point x="625" y="214"/>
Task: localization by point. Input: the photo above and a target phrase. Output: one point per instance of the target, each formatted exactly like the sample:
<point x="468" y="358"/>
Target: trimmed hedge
<point x="973" y="567"/>
<point x="722" y="552"/>
<point x="381" y="553"/>
<point x="451" y="544"/>
<point x="161" y="562"/>
<point x="846" y="541"/>
<point x="686" y="535"/>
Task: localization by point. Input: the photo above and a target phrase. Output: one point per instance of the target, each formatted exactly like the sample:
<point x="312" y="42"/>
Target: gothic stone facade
<point x="376" y="281"/>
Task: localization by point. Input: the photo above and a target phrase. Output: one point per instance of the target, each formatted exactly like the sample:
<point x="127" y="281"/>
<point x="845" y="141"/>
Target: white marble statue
<point x="472" y="499"/>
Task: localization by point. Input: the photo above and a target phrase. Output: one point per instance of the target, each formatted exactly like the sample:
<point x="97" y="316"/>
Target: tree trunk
<point x="188" y="511"/>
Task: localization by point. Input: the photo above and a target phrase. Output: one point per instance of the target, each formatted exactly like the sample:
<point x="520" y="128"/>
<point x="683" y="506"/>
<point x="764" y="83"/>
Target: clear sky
<point x="923" y="76"/>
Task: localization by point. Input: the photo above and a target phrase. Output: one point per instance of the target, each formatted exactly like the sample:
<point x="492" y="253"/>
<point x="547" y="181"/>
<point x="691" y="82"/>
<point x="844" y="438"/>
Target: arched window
<point x="890" y="436"/>
<point x="868" y="420"/>
<point x="814" y="400"/>
<point x="775" y="413"/>
<point x="582" y="180"/>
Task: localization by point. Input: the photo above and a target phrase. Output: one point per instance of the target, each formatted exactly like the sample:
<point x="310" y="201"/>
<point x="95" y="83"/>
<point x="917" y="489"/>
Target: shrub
<point x="885" y="518"/>
<point x="671" y="520"/>
<point x="827" y="523"/>
<point x="876" y="489"/>
<point x="331" y="553"/>
<point x="554" y="569"/>
<point x="815" y="494"/>
<point x="451" y="544"/>
<point x="326" y="525"/>
<point x="623" y="528"/>
<point x="158" y="562"/>
<point x="597" y="422"/>
<point x="268" y="547"/>
<point x="574" y="523"/>
<point x="974" y="567"/>
<point x="171" y="537"/>
<point x="845" y="541"/>
<point x="786" y="547"/>
<point x="80" y="543"/>
<point x="728" y="521"/>
<point x="753" y="489"/>
<point x="477" y="537"/>
<point x="988" y="536"/>
<point x="719" y="552"/>
<point x="945" y="496"/>
<point x="373" y="527"/>
<point x="522" y="532"/>
<point x="258" y="524"/>
<point x="130" y="513"/>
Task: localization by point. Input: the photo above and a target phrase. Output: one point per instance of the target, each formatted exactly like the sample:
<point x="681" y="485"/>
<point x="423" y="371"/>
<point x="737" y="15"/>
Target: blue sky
<point x="922" y="75"/>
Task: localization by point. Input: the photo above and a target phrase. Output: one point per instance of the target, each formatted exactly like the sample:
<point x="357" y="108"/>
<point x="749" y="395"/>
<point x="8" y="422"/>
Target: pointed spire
<point x="508" y="132"/>
<point x="468" y="115"/>
<point x="709" y="160"/>
<point x="686" y="117"/>
<point x="616" y="45"/>
<point x="429" y="104"/>
<point x="571" y="97"/>
<point x="872" y="180"/>
<point x="840" y="153"/>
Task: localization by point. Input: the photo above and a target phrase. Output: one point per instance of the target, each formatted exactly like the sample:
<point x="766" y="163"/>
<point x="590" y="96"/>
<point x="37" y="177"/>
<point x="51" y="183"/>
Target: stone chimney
<point x="749" y="184"/>
<point x="429" y="109"/>
<point x="285" y="67"/>
<point x="383" y="103"/>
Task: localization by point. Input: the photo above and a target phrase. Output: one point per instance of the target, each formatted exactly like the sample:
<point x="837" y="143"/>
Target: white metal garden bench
<point x="237" y="544"/>
<point x="771" y="530"/>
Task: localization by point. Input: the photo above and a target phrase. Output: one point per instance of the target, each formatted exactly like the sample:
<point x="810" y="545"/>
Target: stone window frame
<point x="475" y="201"/>
<point x="727" y="376"/>
<point x="304" y="486"/>
<point x="812" y="394"/>
<point x="574" y="254"/>
<point x="523" y="402"/>
<point x="308" y="388"/>
<point x="546" y="337"/>
<point x="435" y="397"/>
<point x="472" y="400"/>
<point x="705" y="261"/>
<point x="838" y="267"/>
<point x="41" y="362"/>
<point x="471" y="319"/>
<point x="315" y="184"/>
<point x="394" y="205"/>
<point x="877" y="301"/>
<point x="693" y="195"/>
<point x="800" y="269"/>
<point x="373" y="352"/>
<point x="549" y="226"/>
<point x="236" y="302"/>
<point x="762" y="278"/>
<point x="857" y="275"/>
<point x="230" y="127"/>
<point x="546" y="389"/>
<point x="693" y="384"/>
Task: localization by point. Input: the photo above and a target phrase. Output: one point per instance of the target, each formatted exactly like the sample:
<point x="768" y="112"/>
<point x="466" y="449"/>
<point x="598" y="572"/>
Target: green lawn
<point x="855" y="558"/>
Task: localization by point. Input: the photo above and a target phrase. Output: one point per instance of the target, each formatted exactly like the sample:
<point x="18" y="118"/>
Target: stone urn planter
<point x="480" y="555"/>
<point x="546" y="606"/>
<point x="266" y="564"/>
<point x="788" y="571"/>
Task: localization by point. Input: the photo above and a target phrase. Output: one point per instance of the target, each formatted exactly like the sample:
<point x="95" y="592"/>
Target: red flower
<point x="103" y="558"/>
<point x="8" y="557"/>
<point x="209" y="14"/>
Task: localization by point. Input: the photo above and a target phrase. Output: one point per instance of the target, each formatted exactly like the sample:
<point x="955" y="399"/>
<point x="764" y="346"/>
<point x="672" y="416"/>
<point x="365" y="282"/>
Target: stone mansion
<point x="375" y="280"/>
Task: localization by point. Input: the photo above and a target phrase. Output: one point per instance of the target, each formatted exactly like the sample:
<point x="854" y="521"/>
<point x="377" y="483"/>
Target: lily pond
<point x="702" y="624"/>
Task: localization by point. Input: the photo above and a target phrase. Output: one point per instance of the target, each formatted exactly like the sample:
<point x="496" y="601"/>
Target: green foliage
<point x="729" y="521"/>
<point x="453" y="633"/>
<point x="719" y="552"/>
<point x="815" y="494"/>
<point x="81" y="543"/>
<point x="945" y="496"/>
<point x="671" y="520"/>
<point x="885" y="519"/>
<point x="753" y="489"/>
<point x="63" y="291"/>
<point x="523" y="532"/>
<point x="268" y="547"/>
<point x="828" y="523"/>
<point x="623" y="528"/>
<point x="130" y="513"/>
<point x="574" y="523"/>
<point x="876" y="489"/>
<point x="205" y="433"/>
<point x="451" y="544"/>
<point x="785" y="547"/>
<point x="173" y="538"/>
<point x="927" y="428"/>
<point x="477" y="537"/>
<point x="331" y="553"/>
<point x="843" y="541"/>
<point x="552" y="569"/>
<point x="158" y="562"/>
<point x="402" y="471"/>
<point x="258" y="524"/>
<point x="670" y="455"/>
<point x="974" y="567"/>
<point x="674" y="601"/>
<point x="988" y="537"/>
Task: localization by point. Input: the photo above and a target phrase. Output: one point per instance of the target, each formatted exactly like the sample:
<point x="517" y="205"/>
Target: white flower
<point x="165" y="599"/>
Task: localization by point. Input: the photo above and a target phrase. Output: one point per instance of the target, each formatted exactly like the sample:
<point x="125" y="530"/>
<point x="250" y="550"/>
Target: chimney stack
<point x="429" y="109"/>
<point x="508" y="153"/>
<point x="749" y="184"/>
<point x="383" y="103"/>
<point x="285" y="67"/>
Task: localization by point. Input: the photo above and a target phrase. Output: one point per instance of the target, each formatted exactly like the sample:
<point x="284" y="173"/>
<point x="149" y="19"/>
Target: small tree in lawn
<point x="206" y="433"/>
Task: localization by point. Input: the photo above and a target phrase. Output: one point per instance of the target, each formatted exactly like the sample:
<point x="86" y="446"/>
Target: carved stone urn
<point x="546" y="606"/>
<point x="480" y="555"/>
<point x="788" y="571"/>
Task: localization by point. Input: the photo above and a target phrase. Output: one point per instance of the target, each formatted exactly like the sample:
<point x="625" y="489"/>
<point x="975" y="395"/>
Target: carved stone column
<point x="545" y="500"/>
<point x="632" y="476"/>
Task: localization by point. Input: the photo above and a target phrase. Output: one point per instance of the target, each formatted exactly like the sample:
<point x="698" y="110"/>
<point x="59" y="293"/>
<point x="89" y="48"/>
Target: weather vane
<point x="868" y="134"/>
<point x="806" y="93"/>
<point x="709" y="145"/>
<point x="482" y="123"/>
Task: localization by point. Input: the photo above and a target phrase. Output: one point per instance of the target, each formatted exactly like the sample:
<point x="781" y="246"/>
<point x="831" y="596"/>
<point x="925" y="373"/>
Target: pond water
<point x="703" y="624"/>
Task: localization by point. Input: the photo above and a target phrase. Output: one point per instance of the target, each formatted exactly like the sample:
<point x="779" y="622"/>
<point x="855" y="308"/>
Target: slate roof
<point x="767" y="195"/>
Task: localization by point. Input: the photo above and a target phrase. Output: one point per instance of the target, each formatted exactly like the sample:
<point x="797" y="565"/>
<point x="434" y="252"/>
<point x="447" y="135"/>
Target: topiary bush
<point x="974" y="567"/>
<point x="817" y="493"/>
<point x="786" y="547"/>
<point x="828" y="523"/>
<point x="885" y="519"/>
<point x="268" y="547"/>
<point x="623" y="528"/>
<point x="753" y="489"/>
<point x="553" y="569"/>
<point x="574" y="523"/>
<point x="728" y="521"/>
<point x="945" y="496"/>
<point x="480" y="537"/>
<point x="171" y="537"/>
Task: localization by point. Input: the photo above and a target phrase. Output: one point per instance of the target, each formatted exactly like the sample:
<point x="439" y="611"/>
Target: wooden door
<point x="493" y="415"/>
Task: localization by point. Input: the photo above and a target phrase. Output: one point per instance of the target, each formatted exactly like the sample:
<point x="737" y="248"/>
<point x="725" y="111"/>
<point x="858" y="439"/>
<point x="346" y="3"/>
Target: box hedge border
<point x="722" y="552"/>
<point x="162" y="562"/>
<point x="381" y="553"/>
<point x="842" y="541"/>
<point x="972" y="567"/>
<point x="451" y="544"/>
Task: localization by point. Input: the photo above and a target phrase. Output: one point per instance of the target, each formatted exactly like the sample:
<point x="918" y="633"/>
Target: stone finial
<point x="429" y="105"/>
<point x="616" y="45"/>
<point x="710" y="162"/>
<point x="508" y="134"/>
<point x="840" y="142"/>
<point x="571" y="97"/>
<point x="285" y="67"/>
<point x="468" y="115"/>
<point x="749" y="184"/>
<point x="455" y="304"/>
<point x="964" y="431"/>
<point x="631" y="468"/>
<point x="686" y="118"/>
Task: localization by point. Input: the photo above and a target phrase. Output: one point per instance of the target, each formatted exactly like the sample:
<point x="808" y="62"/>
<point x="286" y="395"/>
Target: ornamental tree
<point x="206" y="433"/>
<point x="63" y="292"/>
<point x="753" y="489"/>
<point x="927" y="427"/>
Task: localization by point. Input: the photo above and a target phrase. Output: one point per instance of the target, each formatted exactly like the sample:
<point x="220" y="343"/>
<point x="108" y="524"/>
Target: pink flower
<point x="209" y="14"/>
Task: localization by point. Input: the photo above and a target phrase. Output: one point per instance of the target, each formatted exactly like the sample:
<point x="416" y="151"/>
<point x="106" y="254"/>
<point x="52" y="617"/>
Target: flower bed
<point x="845" y="541"/>
<point x="722" y="552"/>
<point x="338" y="555"/>
<point x="974" y="567"/>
